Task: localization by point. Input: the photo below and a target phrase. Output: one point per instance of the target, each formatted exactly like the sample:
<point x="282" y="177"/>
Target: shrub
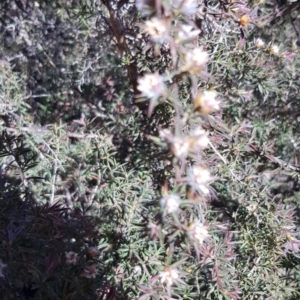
<point x="149" y="151"/>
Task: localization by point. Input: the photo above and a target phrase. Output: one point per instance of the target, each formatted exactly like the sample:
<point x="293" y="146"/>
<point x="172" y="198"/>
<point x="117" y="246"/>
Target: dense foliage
<point x="149" y="149"/>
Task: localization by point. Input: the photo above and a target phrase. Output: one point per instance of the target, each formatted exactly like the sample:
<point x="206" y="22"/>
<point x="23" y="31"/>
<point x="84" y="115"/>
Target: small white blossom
<point x="165" y="134"/>
<point x="206" y="102"/>
<point x="180" y="147"/>
<point x="198" y="139"/>
<point x="170" y="203"/>
<point x="146" y="7"/>
<point x="274" y="49"/>
<point x="199" y="177"/>
<point x="137" y="270"/>
<point x="169" y="276"/>
<point x="198" y="232"/>
<point x="90" y="271"/>
<point x="151" y="85"/>
<point x="187" y="7"/>
<point x="195" y="61"/>
<point x="259" y="43"/>
<point x="187" y="32"/>
<point x="203" y="189"/>
<point x="157" y="29"/>
<point x="71" y="258"/>
<point x="251" y="207"/>
<point x="201" y="174"/>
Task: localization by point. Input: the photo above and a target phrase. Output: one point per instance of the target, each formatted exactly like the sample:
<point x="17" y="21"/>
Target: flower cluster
<point x="195" y="61"/>
<point x="259" y="43"/>
<point x="157" y="29"/>
<point x="170" y="203"/>
<point x="186" y="146"/>
<point x="198" y="232"/>
<point x="186" y="7"/>
<point x="199" y="177"/>
<point x="169" y="275"/>
<point x="186" y="33"/>
<point x="272" y="48"/>
<point x="206" y="102"/>
<point x="180" y="147"/>
<point x="151" y="85"/>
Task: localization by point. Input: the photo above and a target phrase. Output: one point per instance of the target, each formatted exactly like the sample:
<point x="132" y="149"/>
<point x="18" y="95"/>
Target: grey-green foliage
<point x="12" y="97"/>
<point x="77" y="140"/>
<point x="72" y="188"/>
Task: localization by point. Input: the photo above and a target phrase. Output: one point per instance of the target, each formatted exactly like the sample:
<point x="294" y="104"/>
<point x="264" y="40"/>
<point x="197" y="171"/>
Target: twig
<point x="53" y="181"/>
<point x="218" y="153"/>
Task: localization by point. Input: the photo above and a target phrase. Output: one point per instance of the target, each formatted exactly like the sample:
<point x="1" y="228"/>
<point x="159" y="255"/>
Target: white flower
<point x="90" y="271"/>
<point x="146" y="7"/>
<point x="199" y="177"/>
<point x="206" y="102"/>
<point x="251" y="207"/>
<point x="151" y="85"/>
<point x="259" y="43"/>
<point x="187" y="32"/>
<point x="203" y="188"/>
<point x="180" y="147"/>
<point x="157" y="29"/>
<point x="165" y="134"/>
<point x="198" y="232"/>
<point x="195" y="60"/>
<point x="170" y="203"/>
<point x="137" y="270"/>
<point x="2" y="266"/>
<point x="168" y="276"/>
<point x="198" y="139"/>
<point x="274" y="49"/>
<point x="201" y="174"/>
<point x="187" y="7"/>
<point x="71" y="258"/>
